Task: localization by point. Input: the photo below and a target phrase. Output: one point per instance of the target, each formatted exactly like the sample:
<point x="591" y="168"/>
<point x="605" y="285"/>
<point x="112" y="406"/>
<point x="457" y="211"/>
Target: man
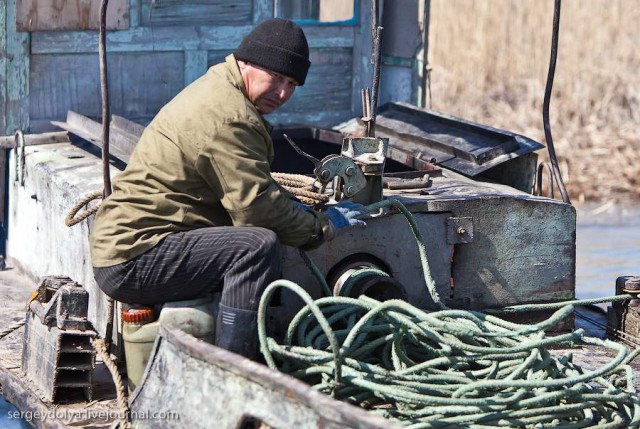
<point x="196" y="209"/>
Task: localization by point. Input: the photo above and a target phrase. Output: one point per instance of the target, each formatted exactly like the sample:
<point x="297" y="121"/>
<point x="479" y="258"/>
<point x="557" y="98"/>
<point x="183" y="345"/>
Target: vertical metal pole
<point x="377" y="59"/>
<point x="375" y="4"/>
<point x="106" y="115"/>
<point x="426" y="70"/>
<point x="104" y="86"/>
<point x="547" y="100"/>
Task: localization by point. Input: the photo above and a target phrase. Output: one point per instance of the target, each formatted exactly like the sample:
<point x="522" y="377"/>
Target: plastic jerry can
<point x="140" y="328"/>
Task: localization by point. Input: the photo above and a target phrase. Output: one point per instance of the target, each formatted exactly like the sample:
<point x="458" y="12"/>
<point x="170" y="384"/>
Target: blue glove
<point x="342" y="215"/>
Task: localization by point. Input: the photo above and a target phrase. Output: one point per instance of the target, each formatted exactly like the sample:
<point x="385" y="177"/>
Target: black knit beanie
<point x="278" y="45"/>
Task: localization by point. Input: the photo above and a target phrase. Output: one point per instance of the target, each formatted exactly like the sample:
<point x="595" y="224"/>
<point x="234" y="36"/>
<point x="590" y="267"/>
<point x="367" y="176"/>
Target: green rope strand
<point x="449" y="368"/>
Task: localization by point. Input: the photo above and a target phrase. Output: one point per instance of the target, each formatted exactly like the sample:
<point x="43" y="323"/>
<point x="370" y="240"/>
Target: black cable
<point x="547" y="98"/>
<point x="104" y="87"/>
<point x="106" y="175"/>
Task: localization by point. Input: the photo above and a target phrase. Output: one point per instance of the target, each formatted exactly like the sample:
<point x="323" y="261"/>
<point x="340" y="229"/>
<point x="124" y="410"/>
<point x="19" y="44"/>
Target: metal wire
<point x="547" y="98"/>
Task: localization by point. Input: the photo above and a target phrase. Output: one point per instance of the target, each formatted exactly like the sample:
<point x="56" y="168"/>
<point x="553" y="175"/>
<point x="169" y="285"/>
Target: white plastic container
<point x="140" y="328"/>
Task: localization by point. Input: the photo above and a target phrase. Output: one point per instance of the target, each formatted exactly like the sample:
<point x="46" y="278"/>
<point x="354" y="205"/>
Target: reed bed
<point x="490" y="60"/>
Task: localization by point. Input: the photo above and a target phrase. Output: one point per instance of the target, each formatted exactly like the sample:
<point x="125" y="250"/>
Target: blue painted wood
<point x="174" y="39"/>
<point x="195" y="65"/>
<point x="17" y="74"/>
<point x="150" y="64"/>
<point x="195" y="12"/>
<point x="218" y="56"/>
<point x="139" y="85"/>
<point x="262" y="9"/>
<point x="134" y="13"/>
<point x="3" y="67"/>
<point x="362" y="67"/>
<point x="328" y="84"/>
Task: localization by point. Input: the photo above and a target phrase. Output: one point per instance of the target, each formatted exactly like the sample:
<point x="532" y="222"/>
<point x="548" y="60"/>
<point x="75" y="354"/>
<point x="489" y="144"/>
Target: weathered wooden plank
<point x="3" y="67"/>
<point x="133" y="40"/>
<point x="17" y="77"/>
<point x="175" y="39"/>
<point x="362" y="67"/>
<point x="262" y="9"/>
<point x="242" y="390"/>
<point x="139" y="85"/>
<point x="195" y="65"/>
<point x="195" y="12"/>
<point x="8" y="142"/>
<point x="134" y="13"/>
<point x="121" y="143"/>
<point x="319" y="118"/>
<point x="215" y="57"/>
<point x="328" y="85"/>
<point x="39" y="15"/>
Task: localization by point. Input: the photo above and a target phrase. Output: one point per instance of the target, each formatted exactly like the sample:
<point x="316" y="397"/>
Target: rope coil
<point x="100" y="347"/>
<point x="448" y="368"/>
<point x="297" y="184"/>
<point x="302" y="187"/>
<point x="72" y="219"/>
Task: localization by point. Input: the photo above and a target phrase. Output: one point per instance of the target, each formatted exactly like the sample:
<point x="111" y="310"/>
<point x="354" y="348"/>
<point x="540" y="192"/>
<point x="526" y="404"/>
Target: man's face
<point x="266" y="89"/>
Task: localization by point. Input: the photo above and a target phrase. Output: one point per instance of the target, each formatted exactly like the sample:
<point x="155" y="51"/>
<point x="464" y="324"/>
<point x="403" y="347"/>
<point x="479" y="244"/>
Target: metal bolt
<point x="325" y="174"/>
<point x="349" y="171"/>
<point x="349" y="191"/>
<point x="461" y="231"/>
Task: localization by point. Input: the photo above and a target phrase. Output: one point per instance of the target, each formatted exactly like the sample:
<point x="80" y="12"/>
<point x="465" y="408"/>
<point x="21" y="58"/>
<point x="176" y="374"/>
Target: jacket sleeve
<point x="235" y="164"/>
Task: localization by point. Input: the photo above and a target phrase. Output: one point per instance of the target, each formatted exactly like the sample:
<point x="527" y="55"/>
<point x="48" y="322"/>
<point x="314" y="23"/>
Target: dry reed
<point x="490" y="60"/>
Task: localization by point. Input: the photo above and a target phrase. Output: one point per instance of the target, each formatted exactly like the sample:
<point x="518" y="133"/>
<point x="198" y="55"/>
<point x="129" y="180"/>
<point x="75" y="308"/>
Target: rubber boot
<point x="237" y="331"/>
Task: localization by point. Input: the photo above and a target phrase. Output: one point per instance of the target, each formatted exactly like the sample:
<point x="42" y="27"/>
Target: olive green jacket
<point x="203" y="161"/>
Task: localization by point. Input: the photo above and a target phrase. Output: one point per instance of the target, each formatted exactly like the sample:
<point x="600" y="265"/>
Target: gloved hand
<point x="341" y="216"/>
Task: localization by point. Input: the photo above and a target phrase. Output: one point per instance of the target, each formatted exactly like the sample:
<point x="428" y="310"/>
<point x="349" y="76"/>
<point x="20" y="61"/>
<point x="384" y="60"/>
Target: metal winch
<point x="356" y="173"/>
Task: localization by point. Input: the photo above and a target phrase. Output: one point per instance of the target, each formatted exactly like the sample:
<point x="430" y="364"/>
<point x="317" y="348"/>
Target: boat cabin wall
<point x="155" y="49"/>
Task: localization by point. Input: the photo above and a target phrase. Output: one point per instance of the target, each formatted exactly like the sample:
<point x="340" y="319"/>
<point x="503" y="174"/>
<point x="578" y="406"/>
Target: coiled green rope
<point x="448" y="368"/>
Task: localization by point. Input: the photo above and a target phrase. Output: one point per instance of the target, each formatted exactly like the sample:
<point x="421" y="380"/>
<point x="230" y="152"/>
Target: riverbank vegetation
<point x="490" y="59"/>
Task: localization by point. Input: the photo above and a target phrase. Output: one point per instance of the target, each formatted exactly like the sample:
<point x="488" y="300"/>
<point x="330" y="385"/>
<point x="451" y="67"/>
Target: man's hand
<point x="343" y="215"/>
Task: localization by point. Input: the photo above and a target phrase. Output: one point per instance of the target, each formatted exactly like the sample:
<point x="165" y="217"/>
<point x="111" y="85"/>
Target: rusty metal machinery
<point x="489" y="242"/>
<point x="57" y="353"/>
<point x="356" y="173"/>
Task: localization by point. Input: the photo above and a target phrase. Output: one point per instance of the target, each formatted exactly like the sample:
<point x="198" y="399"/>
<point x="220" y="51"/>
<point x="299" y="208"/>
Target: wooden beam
<point x="17" y="77"/>
<point x="262" y="9"/>
<point x="122" y="140"/>
<point x="43" y="15"/>
<point x="195" y="65"/>
<point x="206" y="38"/>
<point x="9" y="142"/>
<point x="4" y="59"/>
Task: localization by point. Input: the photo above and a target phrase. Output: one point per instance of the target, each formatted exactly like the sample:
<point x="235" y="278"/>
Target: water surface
<point x="607" y="247"/>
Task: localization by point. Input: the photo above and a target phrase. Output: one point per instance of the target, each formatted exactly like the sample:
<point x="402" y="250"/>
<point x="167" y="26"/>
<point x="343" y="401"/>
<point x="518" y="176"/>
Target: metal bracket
<point x="459" y="230"/>
<point x="353" y="180"/>
<point x="66" y="308"/>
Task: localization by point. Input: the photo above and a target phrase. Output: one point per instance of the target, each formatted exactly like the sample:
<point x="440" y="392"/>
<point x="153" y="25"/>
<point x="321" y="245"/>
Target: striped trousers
<point x="239" y="261"/>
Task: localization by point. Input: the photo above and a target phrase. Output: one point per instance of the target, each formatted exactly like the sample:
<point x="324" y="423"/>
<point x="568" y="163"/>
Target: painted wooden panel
<point x="325" y="98"/>
<point x="195" y="12"/>
<point x="177" y="39"/>
<point x="17" y="77"/>
<point x="217" y="56"/>
<point x="262" y="9"/>
<point x="139" y="85"/>
<point x="3" y="66"/>
<point x="39" y="15"/>
<point x="328" y="84"/>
